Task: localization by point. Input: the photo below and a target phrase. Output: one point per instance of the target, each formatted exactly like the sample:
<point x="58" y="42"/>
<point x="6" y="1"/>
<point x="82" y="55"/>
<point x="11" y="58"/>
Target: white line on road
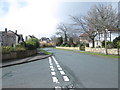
<point x="53" y="73"/>
<point x="56" y="87"/>
<point x="55" y="79"/>
<point x="59" y="68"/>
<point x="54" y="58"/>
<point x="65" y="78"/>
<point x="62" y="72"/>
<point x="51" y="64"/>
<point x="50" y="60"/>
<point x="51" y="67"/>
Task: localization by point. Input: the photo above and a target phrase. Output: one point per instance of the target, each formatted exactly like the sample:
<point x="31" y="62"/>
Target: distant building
<point x="45" y="40"/>
<point x="10" y="38"/>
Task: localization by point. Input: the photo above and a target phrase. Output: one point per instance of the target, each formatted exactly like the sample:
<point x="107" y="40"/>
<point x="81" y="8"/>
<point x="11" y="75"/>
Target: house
<point x="45" y="40"/>
<point x="10" y="38"/>
<point x="111" y="35"/>
<point x="84" y="38"/>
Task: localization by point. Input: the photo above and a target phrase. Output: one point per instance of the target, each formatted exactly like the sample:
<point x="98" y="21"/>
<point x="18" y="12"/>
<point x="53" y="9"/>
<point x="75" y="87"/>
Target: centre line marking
<point x="54" y="58"/>
<point x="62" y="72"/>
<point x="50" y="60"/>
<point x="59" y="68"/>
<point x="56" y="87"/>
<point x="51" y="67"/>
<point x="53" y="73"/>
<point x="51" y="64"/>
<point x="55" y="79"/>
<point x="66" y="78"/>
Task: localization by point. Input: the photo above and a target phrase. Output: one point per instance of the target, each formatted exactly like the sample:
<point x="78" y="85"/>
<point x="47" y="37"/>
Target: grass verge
<point x="45" y="52"/>
<point x="91" y="53"/>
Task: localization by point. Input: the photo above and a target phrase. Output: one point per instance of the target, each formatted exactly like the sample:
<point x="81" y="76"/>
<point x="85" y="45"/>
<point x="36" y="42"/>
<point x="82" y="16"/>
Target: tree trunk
<point x="93" y="43"/>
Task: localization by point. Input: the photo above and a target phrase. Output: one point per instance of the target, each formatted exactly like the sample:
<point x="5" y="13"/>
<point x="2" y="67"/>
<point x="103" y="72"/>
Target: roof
<point x="83" y="35"/>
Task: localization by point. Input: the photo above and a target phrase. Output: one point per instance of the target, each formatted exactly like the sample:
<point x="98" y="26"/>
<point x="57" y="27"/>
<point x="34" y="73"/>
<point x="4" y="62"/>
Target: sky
<point x="40" y="17"/>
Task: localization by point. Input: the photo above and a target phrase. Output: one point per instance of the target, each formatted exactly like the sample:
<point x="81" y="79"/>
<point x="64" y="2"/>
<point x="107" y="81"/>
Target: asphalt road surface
<point x="63" y="69"/>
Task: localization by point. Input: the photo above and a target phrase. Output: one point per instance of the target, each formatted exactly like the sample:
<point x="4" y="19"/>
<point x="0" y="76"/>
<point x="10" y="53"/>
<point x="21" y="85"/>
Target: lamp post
<point x="105" y="37"/>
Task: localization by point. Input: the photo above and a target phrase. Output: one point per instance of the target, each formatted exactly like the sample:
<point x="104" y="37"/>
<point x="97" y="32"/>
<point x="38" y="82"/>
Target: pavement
<point x="39" y="56"/>
<point x="63" y="69"/>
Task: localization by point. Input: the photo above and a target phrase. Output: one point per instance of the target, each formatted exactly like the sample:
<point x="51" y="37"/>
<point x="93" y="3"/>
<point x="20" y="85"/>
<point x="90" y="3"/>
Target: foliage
<point x="87" y="44"/>
<point x="59" y="41"/>
<point x="117" y="39"/>
<point x="32" y="43"/>
<point x="109" y="44"/>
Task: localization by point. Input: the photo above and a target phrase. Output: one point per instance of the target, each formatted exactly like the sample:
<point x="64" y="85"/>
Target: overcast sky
<point x="40" y="17"/>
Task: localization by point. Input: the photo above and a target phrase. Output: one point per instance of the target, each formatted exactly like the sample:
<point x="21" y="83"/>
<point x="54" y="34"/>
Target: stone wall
<point x="18" y="55"/>
<point x="69" y="48"/>
<point x="102" y="50"/>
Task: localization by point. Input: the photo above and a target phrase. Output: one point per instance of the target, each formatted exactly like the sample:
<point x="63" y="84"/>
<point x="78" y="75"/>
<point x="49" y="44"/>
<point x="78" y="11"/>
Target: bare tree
<point x="99" y="18"/>
<point x="64" y="30"/>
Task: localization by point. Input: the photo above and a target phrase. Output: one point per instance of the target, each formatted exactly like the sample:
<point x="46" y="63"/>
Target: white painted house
<point x="111" y="35"/>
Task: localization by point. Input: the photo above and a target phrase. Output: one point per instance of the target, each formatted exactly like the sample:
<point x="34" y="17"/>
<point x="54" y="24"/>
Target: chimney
<point x="6" y="30"/>
<point x="16" y="31"/>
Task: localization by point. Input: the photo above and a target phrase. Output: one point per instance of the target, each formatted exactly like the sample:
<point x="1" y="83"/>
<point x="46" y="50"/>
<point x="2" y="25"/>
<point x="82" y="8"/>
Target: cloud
<point x="31" y="17"/>
<point x="4" y="7"/>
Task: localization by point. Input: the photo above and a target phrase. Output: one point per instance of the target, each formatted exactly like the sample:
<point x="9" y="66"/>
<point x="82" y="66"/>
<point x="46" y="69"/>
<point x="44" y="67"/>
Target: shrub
<point x="66" y="45"/>
<point x="109" y="44"/>
<point x="7" y="49"/>
<point x="87" y="44"/>
<point x="82" y="48"/>
<point x="32" y="43"/>
<point x="72" y="45"/>
<point x="115" y="44"/>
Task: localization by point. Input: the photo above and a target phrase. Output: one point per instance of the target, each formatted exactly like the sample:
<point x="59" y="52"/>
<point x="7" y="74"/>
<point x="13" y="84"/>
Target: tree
<point x="99" y="18"/>
<point x="116" y="41"/>
<point x="59" y="41"/>
<point x="64" y="30"/>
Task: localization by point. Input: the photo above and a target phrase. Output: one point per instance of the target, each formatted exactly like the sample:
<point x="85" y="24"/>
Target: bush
<point x="115" y="44"/>
<point x="7" y="49"/>
<point x="82" y="48"/>
<point x="72" y="45"/>
<point x="87" y="44"/>
<point x="109" y="44"/>
<point x="32" y="43"/>
<point x="66" y="45"/>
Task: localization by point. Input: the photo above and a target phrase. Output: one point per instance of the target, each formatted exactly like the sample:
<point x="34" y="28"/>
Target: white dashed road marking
<point x="51" y="67"/>
<point x="53" y="73"/>
<point x="57" y="87"/>
<point x="62" y="72"/>
<point x="59" y="68"/>
<point x="50" y="60"/>
<point x="65" y="78"/>
<point x="55" y="79"/>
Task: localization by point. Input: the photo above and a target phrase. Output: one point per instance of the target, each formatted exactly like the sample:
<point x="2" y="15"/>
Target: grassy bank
<point x="91" y="53"/>
<point x="45" y="52"/>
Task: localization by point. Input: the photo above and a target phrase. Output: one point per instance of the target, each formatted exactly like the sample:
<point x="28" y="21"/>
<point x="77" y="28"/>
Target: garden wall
<point x="69" y="48"/>
<point x="18" y="54"/>
<point x="102" y="50"/>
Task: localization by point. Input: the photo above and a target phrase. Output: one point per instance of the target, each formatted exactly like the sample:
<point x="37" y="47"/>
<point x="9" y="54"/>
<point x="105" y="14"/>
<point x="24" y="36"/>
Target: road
<point x="63" y="69"/>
